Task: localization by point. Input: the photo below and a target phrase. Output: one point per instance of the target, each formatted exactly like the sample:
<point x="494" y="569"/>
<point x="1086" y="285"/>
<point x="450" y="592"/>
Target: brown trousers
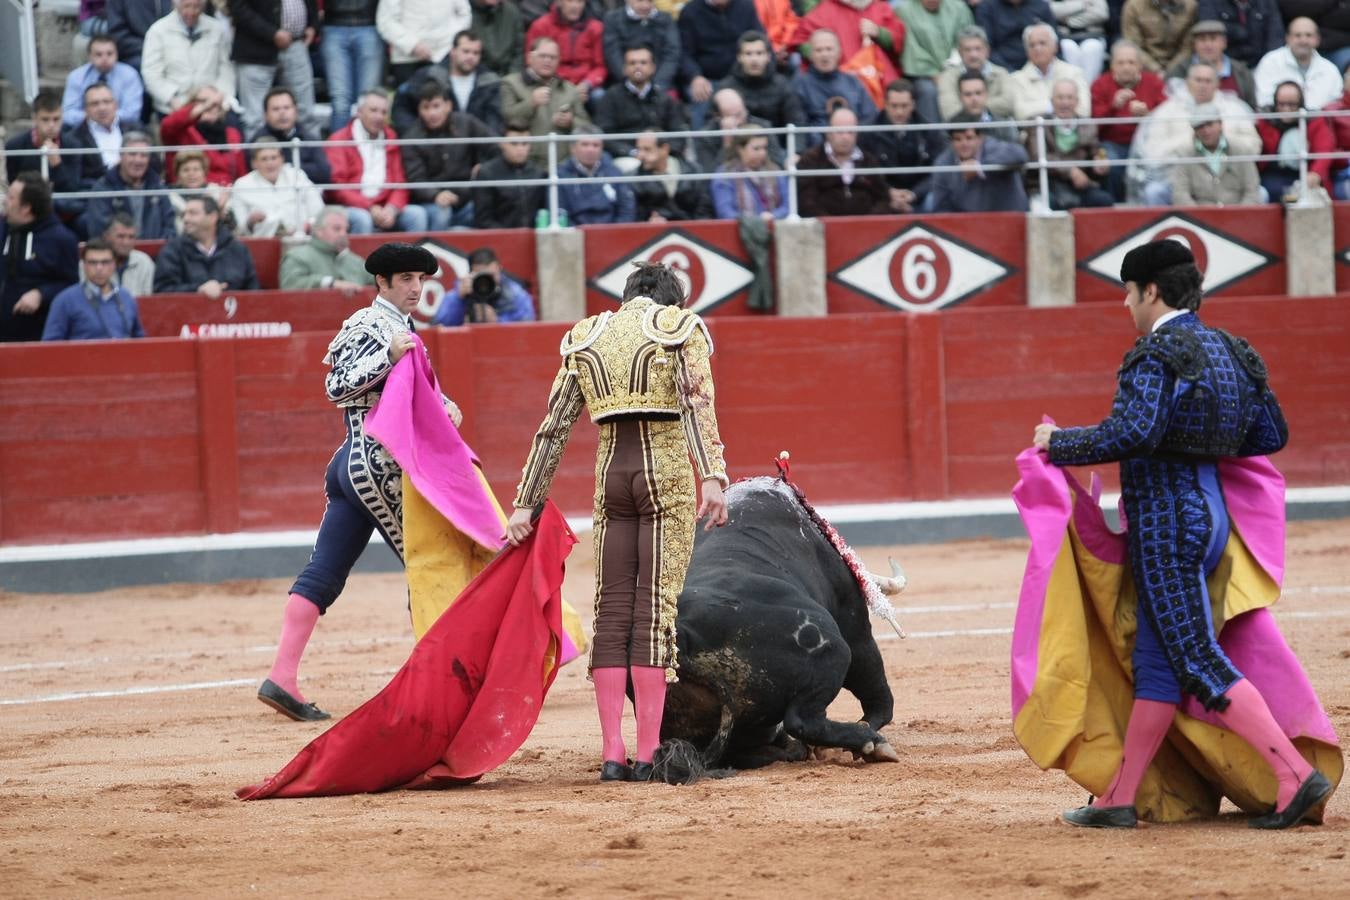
<point x="644" y="534"/>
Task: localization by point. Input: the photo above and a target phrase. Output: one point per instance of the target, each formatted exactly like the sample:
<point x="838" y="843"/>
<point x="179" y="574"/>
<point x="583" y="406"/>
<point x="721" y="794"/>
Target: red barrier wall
<point x="124" y="439"/>
<point x="239" y="314"/>
<point x="1341" y="245"/>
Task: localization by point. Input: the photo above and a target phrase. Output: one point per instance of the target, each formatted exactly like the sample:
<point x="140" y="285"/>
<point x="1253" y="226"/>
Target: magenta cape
<point x="1074" y="632"/>
<point x="467" y="697"/>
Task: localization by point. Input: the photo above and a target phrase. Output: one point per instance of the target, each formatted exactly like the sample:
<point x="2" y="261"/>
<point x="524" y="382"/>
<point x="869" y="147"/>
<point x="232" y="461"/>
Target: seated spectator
<point x="1281" y="137"/>
<point x="38" y="258"/>
<point x="538" y="96"/>
<point x="1209" y="45"/>
<point x="508" y="207"/>
<point x="353" y="59"/>
<point x="763" y="193"/>
<point x="977" y="188"/>
<point x="1126" y="90"/>
<point x="1081" y="29"/>
<point x="974" y="95"/>
<point x="903" y="147"/>
<point x="499" y="24"/>
<point x="96" y="308"/>
<point x="1067" y="140"/>
<point x="1004" y="22"/>
<point x="276" y="199"/>
<point x="822" y="81"/>
<point x="325" y="260"/>
<point x="580" y="39"/>
<point x="450" y="159"/>
<point x="135" y="270"/>
<point x="485" y="294"/>
<point x="1161" y="31"/>
<point x="856" y="23"/>
<point x="709" y="34"/>
<point x="640" y="22"/>
<point x="1340" y="131"/>
<point x="846" y="193"/>
<point x="369" y="166"/>
<point x="280" y="118"/>
<point x="472" y="88"/>
<point x="201" y="122"/>
<point x="183" y="50"/>
<point x="272" y="40"/>
<point x="419" y="32"/>
<point x="1298" y="61"/>
<point x="1254" y="27"/>
<point x="1030" y="85"/>
<point x="674" y="198"/>
<point x="637" y="104"/>
<point x="972" y="48"/>
<point x="1218" y="181"/>
<point x="729" y="113"/>
<point x="189" y="174"/>
<point x="600" y="202"/>
<point x="132" y="182"/>
<point x="931" y="31"/>
<point x="1168" y="128"/>
<point x="101" y="128"/>
<point x="767" y="93"/>
<point x="205" y="258"/>
<point x="780" y="19"/>
<point x="103" y="68"/>
<point x="67" y="172"/>
<point x="128" y="21"/>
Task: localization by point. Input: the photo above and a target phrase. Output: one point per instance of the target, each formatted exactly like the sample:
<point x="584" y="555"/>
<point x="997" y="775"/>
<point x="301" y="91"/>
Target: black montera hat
<point x="398" y="257"/>
<point x="1142" y="264"/>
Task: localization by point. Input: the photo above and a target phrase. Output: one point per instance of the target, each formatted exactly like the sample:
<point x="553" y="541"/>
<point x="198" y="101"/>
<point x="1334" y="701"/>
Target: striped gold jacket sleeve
<point x="565" y="401"/>
<point x="698" y="413"/>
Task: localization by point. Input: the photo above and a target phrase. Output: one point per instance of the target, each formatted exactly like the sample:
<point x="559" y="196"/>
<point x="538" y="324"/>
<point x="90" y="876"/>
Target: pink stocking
<point x="611" y="686"/>
<point x="1249" y="718"/>
<point x="1149" y="722"/>
<point x="649" y="692"/>
<point x="296" y="626"/>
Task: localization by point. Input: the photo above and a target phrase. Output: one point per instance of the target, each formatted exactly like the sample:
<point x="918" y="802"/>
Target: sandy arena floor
<point x="127" y="719"/>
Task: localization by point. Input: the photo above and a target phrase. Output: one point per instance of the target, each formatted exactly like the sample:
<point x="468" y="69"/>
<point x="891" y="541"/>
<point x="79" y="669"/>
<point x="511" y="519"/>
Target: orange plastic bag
<point x="868" y="65"/>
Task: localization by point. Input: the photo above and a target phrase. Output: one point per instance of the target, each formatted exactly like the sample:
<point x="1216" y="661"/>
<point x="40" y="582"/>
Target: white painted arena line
<point x="130" y="692"/>
<point x="189" y="654"/>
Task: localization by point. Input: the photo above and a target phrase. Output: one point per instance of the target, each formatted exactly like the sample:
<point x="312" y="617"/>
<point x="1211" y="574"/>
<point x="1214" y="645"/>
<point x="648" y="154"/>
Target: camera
<point x="485" y="288"/>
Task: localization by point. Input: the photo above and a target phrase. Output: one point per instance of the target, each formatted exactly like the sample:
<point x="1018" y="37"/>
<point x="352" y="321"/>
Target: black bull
<point x="771" y="624"/>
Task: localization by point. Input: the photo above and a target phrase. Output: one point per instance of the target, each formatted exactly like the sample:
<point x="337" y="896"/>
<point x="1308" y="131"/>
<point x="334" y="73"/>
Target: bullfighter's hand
<point x="1042" y="436"/>
<point x="518" y="527"/>
<point x="714" y="504"/>
<point x="400" y="345"/>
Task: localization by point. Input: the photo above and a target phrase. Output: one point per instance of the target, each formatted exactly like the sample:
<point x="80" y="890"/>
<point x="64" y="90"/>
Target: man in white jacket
<point x="1030" y="85"/>
<point x="419" y="32"/>
<point x="183" y="50"/>
<point x="1298" y="61"/>
<point x="275" y="198"/>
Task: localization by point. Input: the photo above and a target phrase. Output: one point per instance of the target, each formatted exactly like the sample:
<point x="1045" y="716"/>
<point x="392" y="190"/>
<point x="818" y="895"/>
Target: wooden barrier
<point x="163" y="436"/>
<point x="244" y="314"/>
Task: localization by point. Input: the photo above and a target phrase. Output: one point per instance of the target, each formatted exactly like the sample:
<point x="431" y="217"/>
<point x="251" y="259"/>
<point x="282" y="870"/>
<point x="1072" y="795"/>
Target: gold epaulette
<point x="671" y="326"/>
<point x="584" y="333"/>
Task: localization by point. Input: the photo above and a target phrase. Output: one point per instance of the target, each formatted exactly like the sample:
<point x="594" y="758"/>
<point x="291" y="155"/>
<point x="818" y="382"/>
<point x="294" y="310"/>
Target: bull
<point x="772" y="623"/>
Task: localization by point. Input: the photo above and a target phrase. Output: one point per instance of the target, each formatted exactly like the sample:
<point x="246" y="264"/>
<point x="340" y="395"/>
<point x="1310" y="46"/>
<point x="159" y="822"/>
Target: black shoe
<point x="615" y="771"/>
<point x="274" y="696"/>
<point x="1314" y="789"/>
<point x="642" y="771"/>
<point x="1102" y="817"/>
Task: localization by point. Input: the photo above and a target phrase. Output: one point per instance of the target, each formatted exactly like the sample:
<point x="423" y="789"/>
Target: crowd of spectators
<point x="424" y="94"/>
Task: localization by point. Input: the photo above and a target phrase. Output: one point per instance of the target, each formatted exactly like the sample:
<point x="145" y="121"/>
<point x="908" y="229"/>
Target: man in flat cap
<point x="363" y="482"/>
<point x="1188" y="395"/>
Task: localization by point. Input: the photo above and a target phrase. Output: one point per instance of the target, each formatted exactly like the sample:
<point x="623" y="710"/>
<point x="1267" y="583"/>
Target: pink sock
<point x="1249" y="718"/>
<point x="296" y="626"/>
<point x="611" y="687"/>
<point x="1149" y="722"/>
<point x="649" y="693"/>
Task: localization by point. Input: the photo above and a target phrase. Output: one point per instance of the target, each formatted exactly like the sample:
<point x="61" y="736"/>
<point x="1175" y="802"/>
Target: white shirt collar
<point x="390" y="309"/>
<point x="1167" y="317"/>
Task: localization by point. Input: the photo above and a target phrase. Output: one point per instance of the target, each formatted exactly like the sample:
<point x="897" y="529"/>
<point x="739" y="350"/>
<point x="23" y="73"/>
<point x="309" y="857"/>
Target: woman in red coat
<point x="1282" y="136"/>
<point x="852" y="21"/>
<point x="580" y="38"/>
<point x="201" y="121"/>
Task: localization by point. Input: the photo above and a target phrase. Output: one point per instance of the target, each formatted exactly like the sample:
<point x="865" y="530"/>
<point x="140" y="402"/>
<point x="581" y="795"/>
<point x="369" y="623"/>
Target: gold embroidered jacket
<point x="641" y="359"/>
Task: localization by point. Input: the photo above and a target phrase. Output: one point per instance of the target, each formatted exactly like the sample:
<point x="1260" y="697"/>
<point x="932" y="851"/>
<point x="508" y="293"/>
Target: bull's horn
<point x="893" y="585"/>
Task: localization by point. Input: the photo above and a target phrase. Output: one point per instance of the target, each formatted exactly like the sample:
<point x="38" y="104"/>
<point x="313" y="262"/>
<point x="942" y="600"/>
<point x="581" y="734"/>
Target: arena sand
<point x="132" y="793"/>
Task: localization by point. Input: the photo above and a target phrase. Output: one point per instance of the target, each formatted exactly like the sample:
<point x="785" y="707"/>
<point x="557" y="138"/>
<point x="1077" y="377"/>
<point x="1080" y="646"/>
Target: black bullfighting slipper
<point x="1102" y="817"/>
<point x="1311" y="792"/>
<point x="274" y="696"/>
<point x="615" y="771"/>
<point x="642" y="771"/>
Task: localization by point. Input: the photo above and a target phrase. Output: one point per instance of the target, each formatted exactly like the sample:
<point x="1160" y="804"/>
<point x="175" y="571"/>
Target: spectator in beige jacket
<point x="1218" y="180"/>
<point x="1161" y="31"/>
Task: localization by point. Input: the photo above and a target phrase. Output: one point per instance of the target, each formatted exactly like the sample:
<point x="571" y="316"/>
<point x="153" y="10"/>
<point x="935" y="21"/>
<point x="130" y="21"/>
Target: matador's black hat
<point x="1142" y="264"/>
<point x="398" y="257"/>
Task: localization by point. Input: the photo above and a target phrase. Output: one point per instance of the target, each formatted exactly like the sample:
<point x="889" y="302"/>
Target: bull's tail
<point x="678" y="761"/>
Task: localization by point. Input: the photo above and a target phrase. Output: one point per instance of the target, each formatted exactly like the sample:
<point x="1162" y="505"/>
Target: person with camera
<point x="485" y="295"/>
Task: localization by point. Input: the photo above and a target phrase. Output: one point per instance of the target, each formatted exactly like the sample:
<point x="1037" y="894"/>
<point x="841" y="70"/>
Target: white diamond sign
<point x="709" y="275"/>
<point x="921" y="270"/>
<point x="1223" y="260"/>
<point x="453" y="266"/>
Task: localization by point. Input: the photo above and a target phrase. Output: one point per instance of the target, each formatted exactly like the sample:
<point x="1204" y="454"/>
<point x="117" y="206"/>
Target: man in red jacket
<point x="1125" y="90"/>
<point x="369" y="165"/>
<point x="580" y="38"/>
<point x="856" y="21"/>
<point x="201" y="122"/>
<point x="1340" y="130"/>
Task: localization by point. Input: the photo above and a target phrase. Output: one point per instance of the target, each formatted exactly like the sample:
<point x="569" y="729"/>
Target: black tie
<point x="102" y="77"/>
<point x="193" y="35"/>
